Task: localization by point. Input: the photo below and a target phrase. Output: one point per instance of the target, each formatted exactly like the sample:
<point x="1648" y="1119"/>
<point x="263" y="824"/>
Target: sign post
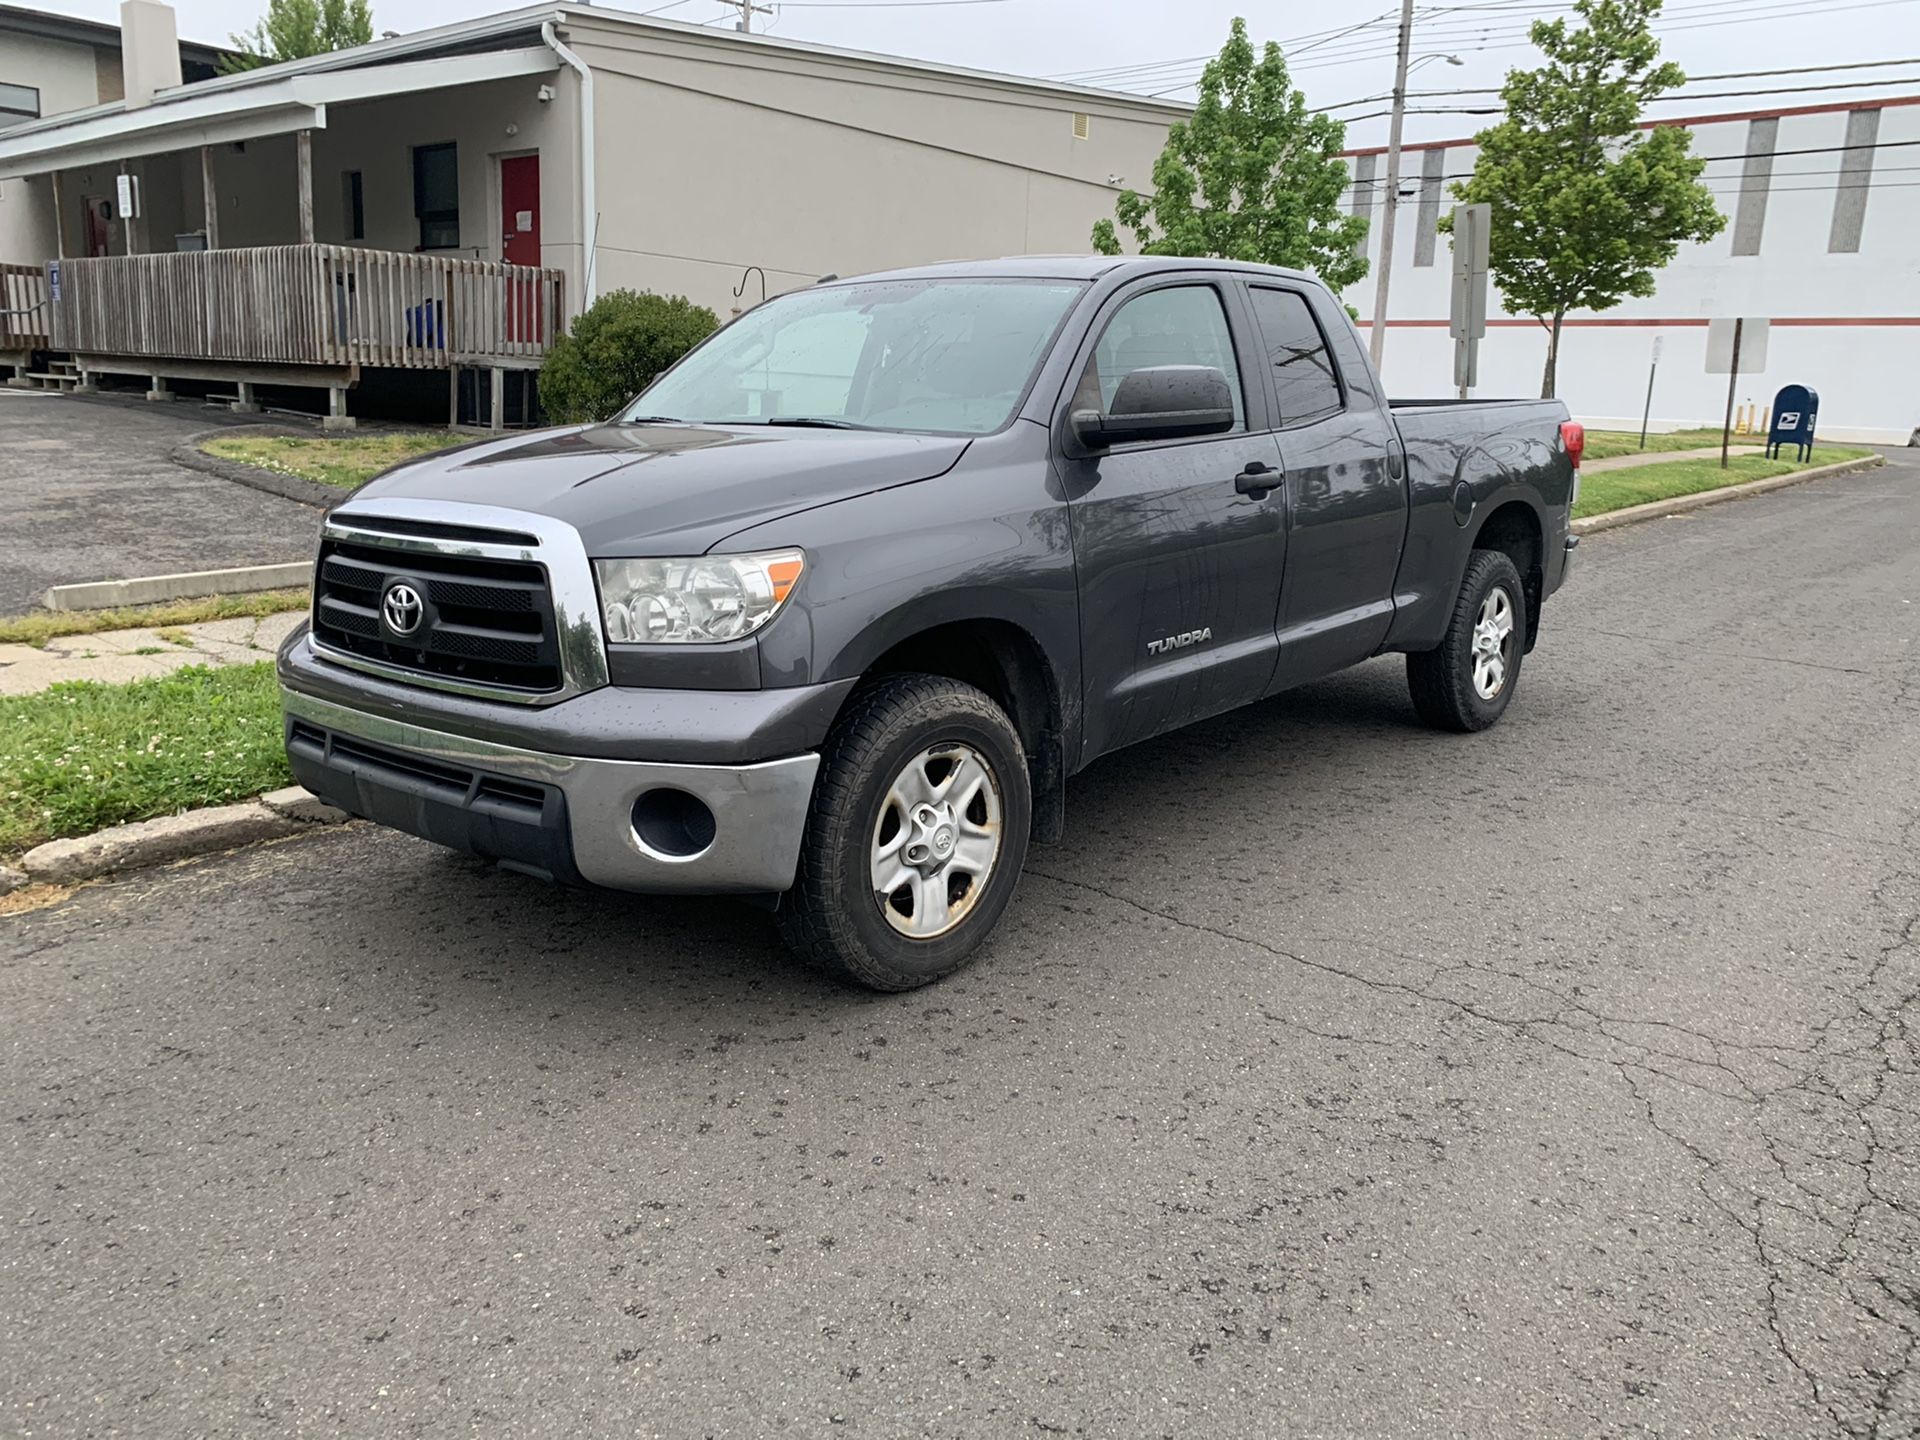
<point x="1646" y="412"/>
<point x="1467" y="318"/>
<point x="1733" y="346"/>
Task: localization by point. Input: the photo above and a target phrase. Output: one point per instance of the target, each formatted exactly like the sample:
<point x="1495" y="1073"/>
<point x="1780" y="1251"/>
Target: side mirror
<point x="1162" y="402"/>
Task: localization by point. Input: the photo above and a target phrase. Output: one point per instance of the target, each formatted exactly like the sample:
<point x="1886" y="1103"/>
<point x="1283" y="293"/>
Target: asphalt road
<point x="87" y="493"/>
<point x="1335" y="1078"/>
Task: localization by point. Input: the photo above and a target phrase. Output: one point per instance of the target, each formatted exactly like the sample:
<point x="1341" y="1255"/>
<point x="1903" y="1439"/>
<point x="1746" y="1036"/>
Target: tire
<point x="1449" y="683"/>
<point x="868" y="806"/>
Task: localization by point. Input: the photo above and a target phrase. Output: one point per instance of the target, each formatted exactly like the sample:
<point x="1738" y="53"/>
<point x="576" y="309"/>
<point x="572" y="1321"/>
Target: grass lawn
<point x="83" y="755"/>
<point x="1617" y="489"/>
<point x="1606" y="444"/>
<point x="41" y="626"/>
<point x="341" y="460"/>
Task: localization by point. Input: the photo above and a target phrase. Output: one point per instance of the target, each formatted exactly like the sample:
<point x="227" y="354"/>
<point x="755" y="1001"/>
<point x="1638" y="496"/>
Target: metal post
<point x="1377" y="334"/>
<point x="1646" y="412"/>
<point x="1733" y="379"/>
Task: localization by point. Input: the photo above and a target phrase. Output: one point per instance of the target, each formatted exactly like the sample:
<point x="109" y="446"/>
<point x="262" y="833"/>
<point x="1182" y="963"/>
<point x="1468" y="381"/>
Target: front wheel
<point x="915" y="837"/>
<point x="1468" y="681"/>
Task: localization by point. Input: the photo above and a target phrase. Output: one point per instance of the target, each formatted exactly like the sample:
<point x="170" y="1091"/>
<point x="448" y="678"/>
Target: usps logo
<point x="1789" y="421"/>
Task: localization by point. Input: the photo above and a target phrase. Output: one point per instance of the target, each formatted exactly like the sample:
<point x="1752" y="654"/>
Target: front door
<point x="1179" y="571"/>
<point x="99" y="236"/>
<point x="520" y="241"/>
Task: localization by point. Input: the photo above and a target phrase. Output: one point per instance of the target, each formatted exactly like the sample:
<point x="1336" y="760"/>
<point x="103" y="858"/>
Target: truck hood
<point x="638" y="490"/>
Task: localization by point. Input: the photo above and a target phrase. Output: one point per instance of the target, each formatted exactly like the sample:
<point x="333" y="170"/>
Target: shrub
<point x="613" y="351"/>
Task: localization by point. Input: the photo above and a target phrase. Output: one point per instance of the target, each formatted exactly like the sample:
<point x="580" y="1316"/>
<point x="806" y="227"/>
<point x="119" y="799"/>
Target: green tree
<point x="1586" y="205"/>
<point x="613" y="351"/>
<point x="1250" y="176"/>
<point x="295" y="29"/>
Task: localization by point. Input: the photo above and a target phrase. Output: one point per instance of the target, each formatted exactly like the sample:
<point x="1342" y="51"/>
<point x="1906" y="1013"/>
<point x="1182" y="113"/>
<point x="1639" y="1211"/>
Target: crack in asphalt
<point x="1867" y="1398"/>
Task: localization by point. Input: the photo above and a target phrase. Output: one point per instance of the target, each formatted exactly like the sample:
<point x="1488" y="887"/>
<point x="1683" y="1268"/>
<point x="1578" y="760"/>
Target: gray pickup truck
<point x="830" y="614"/>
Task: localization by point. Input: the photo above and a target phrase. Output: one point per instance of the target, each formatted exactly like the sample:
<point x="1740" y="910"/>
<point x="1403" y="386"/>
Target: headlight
<point x="699" y="601"/>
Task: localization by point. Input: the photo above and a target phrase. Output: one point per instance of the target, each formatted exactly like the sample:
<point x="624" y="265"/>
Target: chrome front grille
<point x="505" y="600"/>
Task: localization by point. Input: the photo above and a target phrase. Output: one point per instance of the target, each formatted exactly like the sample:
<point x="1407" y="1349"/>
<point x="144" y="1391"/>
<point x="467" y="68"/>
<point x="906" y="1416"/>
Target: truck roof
<point x="1068" y="267"/>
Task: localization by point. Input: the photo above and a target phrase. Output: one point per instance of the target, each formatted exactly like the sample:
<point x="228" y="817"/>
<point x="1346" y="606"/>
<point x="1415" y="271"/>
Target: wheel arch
<point x="1514" y="527"/>
<point x="1004" y="659"/>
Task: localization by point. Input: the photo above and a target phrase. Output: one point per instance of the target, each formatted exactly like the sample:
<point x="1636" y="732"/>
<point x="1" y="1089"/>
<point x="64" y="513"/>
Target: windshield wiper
<point x="653" y="420"/>
<point x="816" y="422"/>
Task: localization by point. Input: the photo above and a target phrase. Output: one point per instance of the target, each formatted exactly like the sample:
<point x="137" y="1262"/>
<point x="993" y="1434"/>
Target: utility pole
<point x="1377" y="334"/>
<point x="747" y="11"/>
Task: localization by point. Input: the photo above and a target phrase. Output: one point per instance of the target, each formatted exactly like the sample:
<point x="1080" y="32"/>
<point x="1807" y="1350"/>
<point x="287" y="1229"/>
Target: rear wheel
<point x="1467" y="682"/>
<point x="915" y="838"/>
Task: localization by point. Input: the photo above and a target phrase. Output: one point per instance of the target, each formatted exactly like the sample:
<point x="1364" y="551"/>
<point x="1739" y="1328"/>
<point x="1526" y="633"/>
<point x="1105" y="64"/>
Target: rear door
<point x="1345" y="491"/>
<point x="1179" y="571"/>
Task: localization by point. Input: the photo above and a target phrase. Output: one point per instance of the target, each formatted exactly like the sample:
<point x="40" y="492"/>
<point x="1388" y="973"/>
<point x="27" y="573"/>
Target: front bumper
<point x="568" y="818"/>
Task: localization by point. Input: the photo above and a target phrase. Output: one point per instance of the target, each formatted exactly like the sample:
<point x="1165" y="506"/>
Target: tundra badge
<point x="1180" y="641"/>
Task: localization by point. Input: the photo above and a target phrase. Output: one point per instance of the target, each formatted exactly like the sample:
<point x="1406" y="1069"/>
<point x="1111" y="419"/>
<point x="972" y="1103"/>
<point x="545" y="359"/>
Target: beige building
<point x="489" y="178"/>
<point x="51" y="65"/>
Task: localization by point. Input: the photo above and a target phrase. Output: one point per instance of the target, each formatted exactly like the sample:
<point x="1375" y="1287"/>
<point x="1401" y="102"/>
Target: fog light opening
<point x="673" y="824"/>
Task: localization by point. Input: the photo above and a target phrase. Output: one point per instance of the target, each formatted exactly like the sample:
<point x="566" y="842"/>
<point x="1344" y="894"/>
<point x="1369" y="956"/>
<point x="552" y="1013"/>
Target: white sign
<point x="1753" y="346"/>
<point x="129" y="193"/>
<point x="523" y="220"/>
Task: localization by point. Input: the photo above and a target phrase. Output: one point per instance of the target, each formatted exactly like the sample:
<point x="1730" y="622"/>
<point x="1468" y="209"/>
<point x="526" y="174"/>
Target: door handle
<point x="1258" y="479"/>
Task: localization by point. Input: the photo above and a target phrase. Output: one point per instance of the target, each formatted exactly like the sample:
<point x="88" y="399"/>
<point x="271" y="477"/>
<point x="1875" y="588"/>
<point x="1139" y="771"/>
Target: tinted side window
<point x="1180" y="325"/>
<point x="1303" y="374"/>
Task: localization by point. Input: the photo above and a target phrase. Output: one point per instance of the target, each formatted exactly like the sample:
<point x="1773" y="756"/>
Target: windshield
<point x="951" y="356"/>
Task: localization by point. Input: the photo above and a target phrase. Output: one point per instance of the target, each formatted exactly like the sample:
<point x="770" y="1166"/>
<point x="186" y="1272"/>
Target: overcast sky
<point x="1067" y="38"/>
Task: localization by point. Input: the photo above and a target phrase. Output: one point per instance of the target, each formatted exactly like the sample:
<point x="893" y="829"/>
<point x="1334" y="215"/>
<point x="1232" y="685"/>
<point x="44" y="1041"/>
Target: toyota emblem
<point x="402" y="608"/>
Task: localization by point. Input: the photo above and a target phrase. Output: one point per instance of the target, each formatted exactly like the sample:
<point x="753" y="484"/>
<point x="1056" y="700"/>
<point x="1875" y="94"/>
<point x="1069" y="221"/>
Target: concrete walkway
<point x="114" y="655"/>
<point x="1655" y="457"/>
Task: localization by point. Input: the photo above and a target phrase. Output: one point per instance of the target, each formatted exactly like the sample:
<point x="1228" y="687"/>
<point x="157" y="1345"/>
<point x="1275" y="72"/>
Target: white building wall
<point x="1848" y="324"/>
<point x="67" y="77"/>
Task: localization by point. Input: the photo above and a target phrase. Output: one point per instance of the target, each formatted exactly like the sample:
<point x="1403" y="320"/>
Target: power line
<point x="1736" y="180"/>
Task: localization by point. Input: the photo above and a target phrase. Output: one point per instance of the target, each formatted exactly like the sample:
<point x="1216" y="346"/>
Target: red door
<point x="520" y="241"/>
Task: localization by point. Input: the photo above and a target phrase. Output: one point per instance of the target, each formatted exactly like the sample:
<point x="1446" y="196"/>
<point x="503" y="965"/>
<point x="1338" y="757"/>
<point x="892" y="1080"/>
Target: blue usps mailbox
<point x="1794" y="410"/>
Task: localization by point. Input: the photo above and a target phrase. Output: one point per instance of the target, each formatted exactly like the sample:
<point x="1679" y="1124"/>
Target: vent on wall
<point x="1081" y="126"/>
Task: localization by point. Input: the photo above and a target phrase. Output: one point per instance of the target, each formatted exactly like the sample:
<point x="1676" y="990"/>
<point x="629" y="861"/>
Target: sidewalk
<point x="114" y="655"/>
<point x="1657" y="457"/>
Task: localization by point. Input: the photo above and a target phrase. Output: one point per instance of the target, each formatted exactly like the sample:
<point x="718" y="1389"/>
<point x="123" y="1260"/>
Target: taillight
<point x="1574" y="436"/>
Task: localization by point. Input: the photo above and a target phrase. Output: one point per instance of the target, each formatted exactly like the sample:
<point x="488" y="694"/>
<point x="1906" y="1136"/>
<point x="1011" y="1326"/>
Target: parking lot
<point x="1334" y="1077"/>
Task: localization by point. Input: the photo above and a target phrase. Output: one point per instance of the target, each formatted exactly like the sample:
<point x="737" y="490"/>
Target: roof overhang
<point x="183" y="119"/>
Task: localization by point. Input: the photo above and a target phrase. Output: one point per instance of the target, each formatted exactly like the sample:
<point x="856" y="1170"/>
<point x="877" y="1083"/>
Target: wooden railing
<point x="23" y="308"/>
<point x="322" y="305"/>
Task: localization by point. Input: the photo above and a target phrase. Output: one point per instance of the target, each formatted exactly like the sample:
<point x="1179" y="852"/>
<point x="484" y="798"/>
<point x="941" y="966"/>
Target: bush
<point x="613" y="351"/>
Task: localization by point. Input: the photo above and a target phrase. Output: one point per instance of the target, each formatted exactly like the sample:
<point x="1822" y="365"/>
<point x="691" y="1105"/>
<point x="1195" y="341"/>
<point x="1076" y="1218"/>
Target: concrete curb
<point x="190" y="456"/>
<point x="1679" y="504"/>
<point x="188" y="585"/>
<point x="172" y="837"/>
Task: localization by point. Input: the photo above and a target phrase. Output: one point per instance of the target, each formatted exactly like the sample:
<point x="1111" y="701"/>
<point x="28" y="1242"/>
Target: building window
<point x="436" y="196"/>
<point x="17" y="103"/>
<point x="353" y="205"/>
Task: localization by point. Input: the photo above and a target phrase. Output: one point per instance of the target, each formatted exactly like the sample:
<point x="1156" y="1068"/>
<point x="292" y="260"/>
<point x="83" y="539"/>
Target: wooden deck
<point x="325" y="308"/>
<point x="24" y="312"/>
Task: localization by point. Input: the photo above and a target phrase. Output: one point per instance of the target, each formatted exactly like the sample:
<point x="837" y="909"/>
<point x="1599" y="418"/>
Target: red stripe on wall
<point x="1687" y="322"/>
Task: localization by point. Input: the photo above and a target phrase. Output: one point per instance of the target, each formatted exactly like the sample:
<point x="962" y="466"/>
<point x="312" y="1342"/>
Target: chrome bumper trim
<point x="760" y="811"/>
